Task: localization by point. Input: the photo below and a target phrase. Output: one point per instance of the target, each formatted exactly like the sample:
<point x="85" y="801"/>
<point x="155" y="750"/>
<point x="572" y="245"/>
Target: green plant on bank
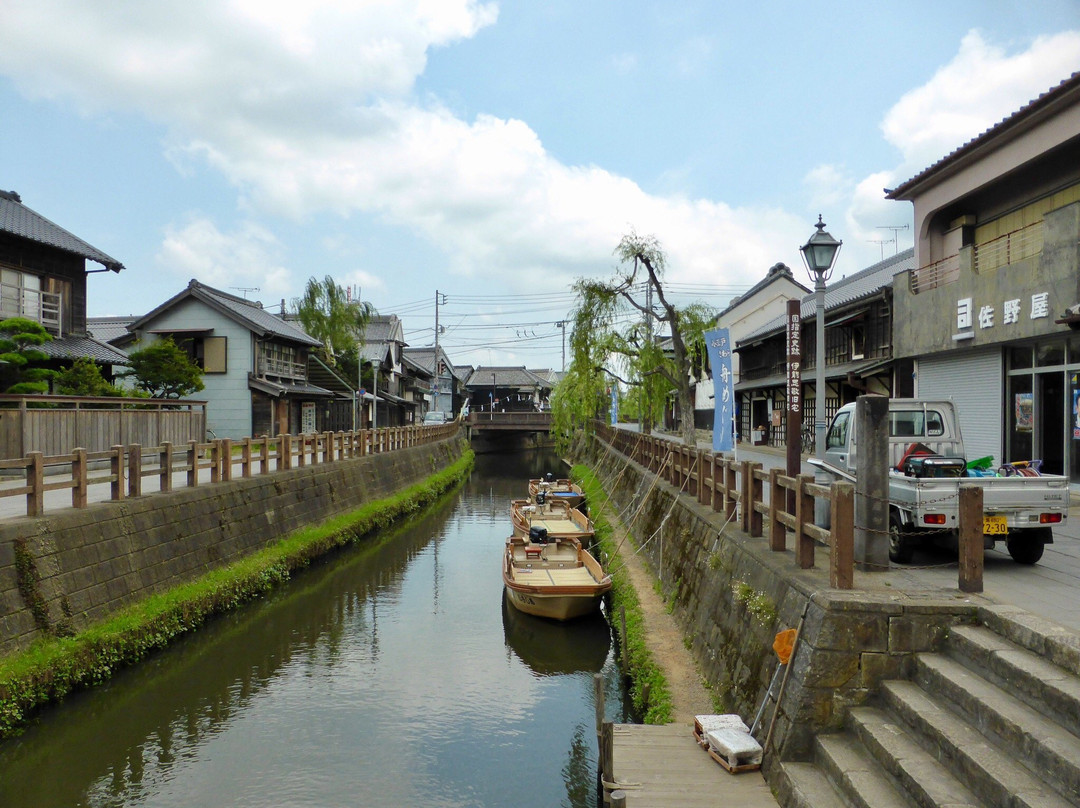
<point x="757" y="603"/>
<point x="54" y="667"/>
<point x="645" y="674"/>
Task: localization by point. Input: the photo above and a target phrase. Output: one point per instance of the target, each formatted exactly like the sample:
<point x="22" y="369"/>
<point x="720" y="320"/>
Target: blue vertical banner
<point x="614" y="404"/>
<point x="719" y="348"/>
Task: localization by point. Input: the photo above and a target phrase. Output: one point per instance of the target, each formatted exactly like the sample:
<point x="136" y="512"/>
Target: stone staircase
<point x="992" y="719"/>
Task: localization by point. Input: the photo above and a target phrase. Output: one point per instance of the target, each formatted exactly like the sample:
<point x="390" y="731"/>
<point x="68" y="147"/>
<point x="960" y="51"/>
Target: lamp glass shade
<point x="820" y="251"/>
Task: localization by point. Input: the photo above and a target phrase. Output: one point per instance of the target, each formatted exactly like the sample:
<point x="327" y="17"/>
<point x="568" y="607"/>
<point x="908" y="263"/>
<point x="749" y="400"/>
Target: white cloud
<point x="977" y="89"/>
<point x="248" y="258"/>
<point x="307" y="110"/>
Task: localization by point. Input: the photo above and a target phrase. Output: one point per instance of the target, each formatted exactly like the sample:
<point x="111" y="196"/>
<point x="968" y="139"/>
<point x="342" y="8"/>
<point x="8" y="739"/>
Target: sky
<point x="492" y="153"/>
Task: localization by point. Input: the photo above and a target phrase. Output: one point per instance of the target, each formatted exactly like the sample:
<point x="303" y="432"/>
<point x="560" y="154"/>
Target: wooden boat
<point x="563" y="489"/>
<point x="551" y="519"/>
<point x="558" y="579"/>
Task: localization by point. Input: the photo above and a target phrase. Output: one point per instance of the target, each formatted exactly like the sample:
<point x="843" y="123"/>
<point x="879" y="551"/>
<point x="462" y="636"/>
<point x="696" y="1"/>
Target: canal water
<point x="391" y="674"/>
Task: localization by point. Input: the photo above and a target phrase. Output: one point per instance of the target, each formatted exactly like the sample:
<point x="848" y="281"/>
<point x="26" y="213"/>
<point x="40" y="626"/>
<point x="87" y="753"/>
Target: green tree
<point x="326" y="313"/>
<point x="20" y="340"/>
<point x="626" y="348"/>
<point x="84" y="378"/>
<point x="163" y="370"/>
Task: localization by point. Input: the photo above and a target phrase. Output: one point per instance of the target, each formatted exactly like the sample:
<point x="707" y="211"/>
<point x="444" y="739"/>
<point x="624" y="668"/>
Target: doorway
<point x="1051" y="422"/>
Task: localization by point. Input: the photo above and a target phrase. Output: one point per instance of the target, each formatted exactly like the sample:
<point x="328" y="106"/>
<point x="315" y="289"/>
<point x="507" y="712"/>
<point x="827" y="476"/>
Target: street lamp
<point x="819" y="253"/>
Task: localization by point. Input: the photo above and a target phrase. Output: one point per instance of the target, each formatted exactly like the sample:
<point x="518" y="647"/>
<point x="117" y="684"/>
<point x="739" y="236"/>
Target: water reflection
<point x="379" y="676"/>
<point x="551" y="648"/>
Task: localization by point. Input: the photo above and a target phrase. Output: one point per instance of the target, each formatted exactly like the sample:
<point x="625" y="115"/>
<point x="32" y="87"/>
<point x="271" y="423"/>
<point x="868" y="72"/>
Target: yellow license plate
<point x="995" y="525"/>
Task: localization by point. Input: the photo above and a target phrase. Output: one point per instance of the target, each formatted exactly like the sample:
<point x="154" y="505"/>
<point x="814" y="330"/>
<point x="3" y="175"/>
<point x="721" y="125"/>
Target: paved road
<point x="1050" y="588"/>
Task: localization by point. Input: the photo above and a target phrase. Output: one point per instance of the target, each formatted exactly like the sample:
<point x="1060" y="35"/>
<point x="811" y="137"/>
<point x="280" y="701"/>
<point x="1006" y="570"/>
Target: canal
<point x="391" y="674"/>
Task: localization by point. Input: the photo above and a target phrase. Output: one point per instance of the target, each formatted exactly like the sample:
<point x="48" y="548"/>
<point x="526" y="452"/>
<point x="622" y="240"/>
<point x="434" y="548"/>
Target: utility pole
<point x="562" y="324"/>
<point x="435" y="362"/>
<point x="646" y="418"/>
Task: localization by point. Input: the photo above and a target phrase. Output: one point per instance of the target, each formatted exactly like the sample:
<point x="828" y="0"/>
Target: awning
<point x="283" y="390"/>
<point x="850" y="317"/>
<point x="860" y="368"/>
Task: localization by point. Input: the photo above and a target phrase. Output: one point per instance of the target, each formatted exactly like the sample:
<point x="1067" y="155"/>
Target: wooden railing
<point x="123" y="468"/>
<point x="737" y="488"/>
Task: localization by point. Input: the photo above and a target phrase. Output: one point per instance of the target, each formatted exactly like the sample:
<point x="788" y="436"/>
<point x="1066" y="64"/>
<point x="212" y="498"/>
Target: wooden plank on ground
<point x="663" y="767"/>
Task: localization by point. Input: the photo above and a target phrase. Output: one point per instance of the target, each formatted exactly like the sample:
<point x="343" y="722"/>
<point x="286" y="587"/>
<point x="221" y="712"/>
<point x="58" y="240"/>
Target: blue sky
<point x="494" y="151"/>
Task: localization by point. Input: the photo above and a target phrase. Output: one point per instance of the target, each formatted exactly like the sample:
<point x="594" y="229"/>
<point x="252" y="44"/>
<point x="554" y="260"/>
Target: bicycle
<point x="808" y="439"/>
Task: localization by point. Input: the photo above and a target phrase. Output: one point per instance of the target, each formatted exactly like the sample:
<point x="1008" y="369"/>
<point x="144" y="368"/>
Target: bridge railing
<point x="523" y="420"/>
<point x="736" y="489"/>
<point x="120" y="472"/>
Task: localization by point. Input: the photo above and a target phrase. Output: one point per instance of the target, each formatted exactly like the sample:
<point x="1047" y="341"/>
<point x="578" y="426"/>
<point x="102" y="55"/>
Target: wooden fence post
<point x="78" y="478"/>
<point x="264" y="455"/>
<point x="193" y="463"/>
<point x="226" y="459"/>
<point x="215" y="461"/>
<point x="755" y="496"/>
<point x="284" y="451"/>
<point x="971" y="538"/>
<point x="134" y="458"/>
<point x="245" y="458"/>
<point x="777" y="531"/>
<point x="116" y="473"/>
<point x="842" y="560"/>
<point x="731" y="489"/>
<point x="804" y="514"/>
<point x="35" y="481"/>
<point x="165" y="467"/>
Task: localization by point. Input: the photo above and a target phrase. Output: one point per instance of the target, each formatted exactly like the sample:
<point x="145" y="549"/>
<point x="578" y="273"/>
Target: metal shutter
<point x="974" y="381"/>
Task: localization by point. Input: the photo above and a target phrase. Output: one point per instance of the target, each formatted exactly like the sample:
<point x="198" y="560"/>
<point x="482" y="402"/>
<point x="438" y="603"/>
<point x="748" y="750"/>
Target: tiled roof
<point x="77" y="347"/>
<point x="425" y="358"/>
<point x="1025" y="112"/>
<point x="248" y="313"/>
<point x="505" y="377"/>
<point x="107" y="329"/>
<point x="19" y="220"/>
<point x="776" y="272"/>
<point x="844" y="292"/>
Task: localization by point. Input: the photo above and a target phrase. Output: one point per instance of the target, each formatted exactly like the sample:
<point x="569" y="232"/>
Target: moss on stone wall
<point x="55" y="666"/>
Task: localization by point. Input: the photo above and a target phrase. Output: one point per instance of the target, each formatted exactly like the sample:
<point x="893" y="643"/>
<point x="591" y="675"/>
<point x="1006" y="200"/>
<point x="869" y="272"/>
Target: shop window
<point x="1020" y="356"/>
<point x="1050" y="354"/>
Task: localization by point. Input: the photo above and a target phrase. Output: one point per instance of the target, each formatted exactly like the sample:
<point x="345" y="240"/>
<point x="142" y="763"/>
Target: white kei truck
<point x="927" y="466"/>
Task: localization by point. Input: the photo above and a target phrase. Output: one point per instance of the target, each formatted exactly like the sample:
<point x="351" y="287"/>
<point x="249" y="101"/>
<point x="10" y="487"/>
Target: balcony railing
<point x="1010" y="248"/>
<point x="947" y="270"/>
<point x="33" y="304"/>
<point x="282" y="368"/>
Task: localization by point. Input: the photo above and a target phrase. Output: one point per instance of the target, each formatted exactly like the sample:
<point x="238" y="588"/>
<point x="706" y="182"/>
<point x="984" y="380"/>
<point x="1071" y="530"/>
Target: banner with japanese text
<point x="718" y="345"/>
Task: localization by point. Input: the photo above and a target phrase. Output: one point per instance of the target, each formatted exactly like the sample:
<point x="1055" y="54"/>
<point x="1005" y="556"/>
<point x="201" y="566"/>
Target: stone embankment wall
<point x="75" y="567"/>
<point x="731" y="595"/>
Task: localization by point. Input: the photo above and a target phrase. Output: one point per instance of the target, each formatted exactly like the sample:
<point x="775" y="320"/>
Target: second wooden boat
<point x="558" y="579"/>
<point x="550" y="519"/>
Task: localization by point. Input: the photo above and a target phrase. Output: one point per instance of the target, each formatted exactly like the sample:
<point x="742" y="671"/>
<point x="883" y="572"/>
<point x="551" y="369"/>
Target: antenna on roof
<point x="881" y="242"/>
<point x="896" y="228"/>
<point x="245" y="289"/>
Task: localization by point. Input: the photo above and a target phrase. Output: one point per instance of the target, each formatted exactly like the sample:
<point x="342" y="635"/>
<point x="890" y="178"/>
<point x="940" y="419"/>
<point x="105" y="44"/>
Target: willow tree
<point x="581" y="394"/>
<point x="327" y="314"/>
<point x="618" y="319"/>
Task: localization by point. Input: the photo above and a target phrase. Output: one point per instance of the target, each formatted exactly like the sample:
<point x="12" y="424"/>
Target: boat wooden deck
<point x="663" y="767"/>
<point x="555" y="576"/>
<point x="559" y="527"/>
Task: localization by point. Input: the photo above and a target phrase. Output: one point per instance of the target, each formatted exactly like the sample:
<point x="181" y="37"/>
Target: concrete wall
<point x="93" y="561"/>
<point x="851" y="640"/>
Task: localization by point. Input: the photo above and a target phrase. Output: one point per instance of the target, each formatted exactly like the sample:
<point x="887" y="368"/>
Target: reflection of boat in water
<point x="556" y="578"/>
<point x="561" y="489"/>
<point x="551" y="519"/>
<point x="552" y="649"/>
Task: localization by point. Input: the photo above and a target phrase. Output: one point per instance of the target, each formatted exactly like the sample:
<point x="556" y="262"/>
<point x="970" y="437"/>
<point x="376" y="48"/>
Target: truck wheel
<point x="901" y="548"/>
<point x="1026" y="546"/>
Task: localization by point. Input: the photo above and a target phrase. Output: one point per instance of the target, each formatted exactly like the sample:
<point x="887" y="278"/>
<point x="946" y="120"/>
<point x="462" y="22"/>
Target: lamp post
<point x="493" y="396"/>
<point x="819" y="253"/>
